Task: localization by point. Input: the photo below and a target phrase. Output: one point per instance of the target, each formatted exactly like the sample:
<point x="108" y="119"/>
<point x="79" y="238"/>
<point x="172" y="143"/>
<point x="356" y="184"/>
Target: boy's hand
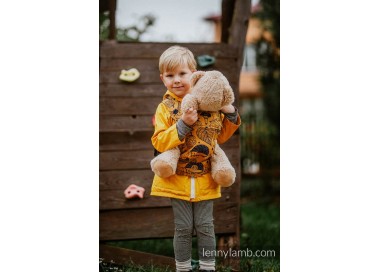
<point x="190" y="116"/>
<point x="228" y="109"/>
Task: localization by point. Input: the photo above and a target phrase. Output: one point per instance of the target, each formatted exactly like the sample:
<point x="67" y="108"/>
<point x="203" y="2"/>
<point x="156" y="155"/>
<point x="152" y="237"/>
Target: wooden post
<point x="239" y="26"/>
<point x="112" y="10"/>
<point x="230" y="242"/>
<point x="236" y="30"/>
<point x="227" y="13"/>
<point x="103" y="5"/>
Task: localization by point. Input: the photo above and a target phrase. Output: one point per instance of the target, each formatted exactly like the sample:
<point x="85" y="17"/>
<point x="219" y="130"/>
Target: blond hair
<point x="176" y="56"/>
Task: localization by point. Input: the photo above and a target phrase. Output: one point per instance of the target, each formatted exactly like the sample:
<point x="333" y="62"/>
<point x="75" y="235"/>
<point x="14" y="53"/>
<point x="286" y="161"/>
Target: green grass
<point x="260" y="230"/>
<point x="130" y="267"/>
<point x="260" y="265"/>
<point x="260" y="225"/>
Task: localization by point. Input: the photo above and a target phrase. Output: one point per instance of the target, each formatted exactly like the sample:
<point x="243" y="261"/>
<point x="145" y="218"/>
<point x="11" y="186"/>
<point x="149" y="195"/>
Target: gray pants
<point x="190" y="215"/>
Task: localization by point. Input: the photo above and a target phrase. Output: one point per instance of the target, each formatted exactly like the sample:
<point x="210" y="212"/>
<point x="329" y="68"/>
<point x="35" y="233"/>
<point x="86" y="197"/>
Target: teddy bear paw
<point x="225" y="178"/>
<point x="162" y="169"/>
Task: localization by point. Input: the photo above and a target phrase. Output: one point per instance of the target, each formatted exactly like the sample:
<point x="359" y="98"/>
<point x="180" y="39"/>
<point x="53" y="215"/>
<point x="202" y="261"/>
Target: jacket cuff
<point x="182" y="129"/>
<point x="232" y="117"/>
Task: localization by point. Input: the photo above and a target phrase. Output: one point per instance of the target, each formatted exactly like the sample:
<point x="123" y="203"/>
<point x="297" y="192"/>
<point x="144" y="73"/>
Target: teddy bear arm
<point x="222" y="171"/>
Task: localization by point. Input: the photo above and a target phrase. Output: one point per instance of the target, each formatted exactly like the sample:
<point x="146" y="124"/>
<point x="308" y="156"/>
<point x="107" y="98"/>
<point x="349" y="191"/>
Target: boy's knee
<point x="183" y="231"/>
<point x="205" y="228"/>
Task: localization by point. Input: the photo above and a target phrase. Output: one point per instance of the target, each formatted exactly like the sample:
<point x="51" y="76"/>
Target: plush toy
<point x="210" y="91"/>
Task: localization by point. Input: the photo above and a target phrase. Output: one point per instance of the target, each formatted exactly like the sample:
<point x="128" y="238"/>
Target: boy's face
<point x="178" y="80"/>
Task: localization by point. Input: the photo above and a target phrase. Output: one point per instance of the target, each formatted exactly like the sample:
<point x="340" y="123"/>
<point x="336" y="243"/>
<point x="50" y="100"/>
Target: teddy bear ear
<point x="196" y="76"/>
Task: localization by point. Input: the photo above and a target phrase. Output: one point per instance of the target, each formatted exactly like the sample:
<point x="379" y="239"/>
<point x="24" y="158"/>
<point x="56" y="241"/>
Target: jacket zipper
<point x="192" y="188"/>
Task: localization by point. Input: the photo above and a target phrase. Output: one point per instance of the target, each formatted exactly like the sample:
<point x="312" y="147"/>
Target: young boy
<point x="191" y="196"/>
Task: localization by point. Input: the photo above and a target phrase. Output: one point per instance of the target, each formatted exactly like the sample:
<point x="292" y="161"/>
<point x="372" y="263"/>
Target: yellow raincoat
<point x="194" y="187"/>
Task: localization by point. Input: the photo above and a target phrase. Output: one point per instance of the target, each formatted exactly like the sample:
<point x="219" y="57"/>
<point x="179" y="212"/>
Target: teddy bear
<point x="210" y="91"/>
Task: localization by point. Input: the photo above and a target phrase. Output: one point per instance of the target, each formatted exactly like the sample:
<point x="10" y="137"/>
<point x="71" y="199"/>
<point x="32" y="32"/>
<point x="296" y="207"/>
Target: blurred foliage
<point x="261" y="134"/>
<point x="260" y="211"/>
<point x="104" y="23"/>
<point x="269" y="14"/>
<point x="268" y="64"/>
<point x="129" y="34"/>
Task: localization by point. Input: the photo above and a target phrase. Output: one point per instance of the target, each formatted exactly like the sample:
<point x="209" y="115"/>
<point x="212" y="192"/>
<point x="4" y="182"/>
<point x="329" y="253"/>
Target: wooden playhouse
<point x="125" y="149"/>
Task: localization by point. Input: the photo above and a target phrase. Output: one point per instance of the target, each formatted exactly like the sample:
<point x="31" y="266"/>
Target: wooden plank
<point x="125" y="141"/>
<point x="120" y="179"/>
<point x="145" y="77"/>
<point x="113" y="199"/>
<point x="147" y="90"/>
<point x="129" y="124"/>
<point x="113" y="49"/>
<point x="110" y="85"/>
<point x="149" y="64"/>
<point x="128" y="105"/>
<point x="225" y="65"/>
<point x="140" y="159"/>
<point x="154" y="77"/>
<point x="123" y="256"/>
<point x="132" y="90"/>
<point x="117" y="160"/>
<point x="137" y="223"/>
<point x="117" y="141"/>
